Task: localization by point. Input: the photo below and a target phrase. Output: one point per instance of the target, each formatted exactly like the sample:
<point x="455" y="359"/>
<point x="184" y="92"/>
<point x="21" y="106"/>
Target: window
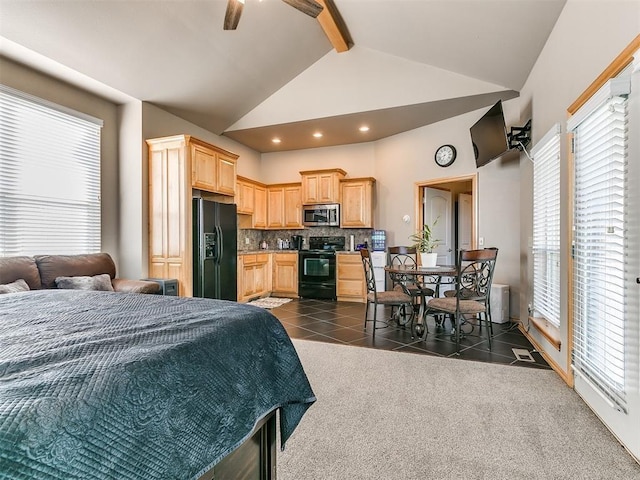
<point x="546" y="227"/>
<point x="49" y="177"/>
<point x="600" y="242"/>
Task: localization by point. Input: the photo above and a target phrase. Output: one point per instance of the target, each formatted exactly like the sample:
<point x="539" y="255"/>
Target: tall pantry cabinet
<point x="178" y="165"/>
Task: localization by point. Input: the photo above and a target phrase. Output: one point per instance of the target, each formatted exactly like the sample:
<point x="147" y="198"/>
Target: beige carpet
<point x="392" y="415"/>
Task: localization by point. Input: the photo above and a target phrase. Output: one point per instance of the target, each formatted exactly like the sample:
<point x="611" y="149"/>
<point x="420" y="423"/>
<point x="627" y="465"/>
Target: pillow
<point x="97" y="282"/>
<point x="18" y="286"/>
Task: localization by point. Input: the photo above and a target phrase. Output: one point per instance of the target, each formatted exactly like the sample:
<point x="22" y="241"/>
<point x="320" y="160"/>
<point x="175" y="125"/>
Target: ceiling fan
<point x="234" y="10"/>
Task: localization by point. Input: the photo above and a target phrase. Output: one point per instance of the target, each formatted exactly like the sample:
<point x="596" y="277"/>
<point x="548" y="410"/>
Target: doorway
<point x="453" y="201"/>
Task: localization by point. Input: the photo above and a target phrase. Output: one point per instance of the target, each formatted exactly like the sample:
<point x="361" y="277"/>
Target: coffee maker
<point x="296" y="242"/>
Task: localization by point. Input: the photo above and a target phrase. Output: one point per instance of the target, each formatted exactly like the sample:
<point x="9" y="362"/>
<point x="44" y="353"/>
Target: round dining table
<point x="422" y="276"/>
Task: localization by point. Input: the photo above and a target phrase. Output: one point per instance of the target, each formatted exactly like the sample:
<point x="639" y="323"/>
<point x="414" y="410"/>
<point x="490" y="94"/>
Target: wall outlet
<point x="481" y="241"/>
<point x="246" y="240"/>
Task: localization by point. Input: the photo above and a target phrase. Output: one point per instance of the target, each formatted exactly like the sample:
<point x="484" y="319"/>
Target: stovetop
<point x="326" y="244"/>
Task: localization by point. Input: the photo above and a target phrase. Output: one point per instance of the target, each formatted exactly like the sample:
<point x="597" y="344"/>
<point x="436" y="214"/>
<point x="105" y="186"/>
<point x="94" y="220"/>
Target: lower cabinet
<point x="285" y="274"/>
<point x="261" y="274"/>
<point x="350" y="285"/>
<point x="254" y="276"/>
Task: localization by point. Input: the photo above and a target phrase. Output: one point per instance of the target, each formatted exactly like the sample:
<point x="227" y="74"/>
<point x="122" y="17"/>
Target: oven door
<point x="317" y="275"/>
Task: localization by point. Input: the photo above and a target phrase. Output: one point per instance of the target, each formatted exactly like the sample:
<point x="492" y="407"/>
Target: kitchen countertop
<point x="268" y="250"/>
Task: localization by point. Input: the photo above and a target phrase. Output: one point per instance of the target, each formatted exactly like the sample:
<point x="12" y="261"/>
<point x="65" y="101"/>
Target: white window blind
<point x="49" y="177"/>
<point x="546" y="227"/>
<point x="601" y="218"/>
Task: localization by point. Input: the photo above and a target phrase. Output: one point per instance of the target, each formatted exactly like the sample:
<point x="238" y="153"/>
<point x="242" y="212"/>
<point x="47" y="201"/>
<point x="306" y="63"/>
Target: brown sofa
<point x="41" y="271"/>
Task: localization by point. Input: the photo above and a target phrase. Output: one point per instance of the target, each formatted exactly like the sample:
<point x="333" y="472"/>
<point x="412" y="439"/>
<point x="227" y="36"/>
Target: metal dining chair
<point x="407" y="256"/>
<point x="472" y="295"/>
<point x="394" y="298"/>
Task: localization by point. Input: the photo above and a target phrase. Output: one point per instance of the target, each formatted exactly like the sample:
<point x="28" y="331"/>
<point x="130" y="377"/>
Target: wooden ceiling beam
<point x="334" y="27"/>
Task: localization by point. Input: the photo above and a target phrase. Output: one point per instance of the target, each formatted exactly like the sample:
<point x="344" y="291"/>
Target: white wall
<point x="408" y="158"/>
<point x="586" y="38"/>
<point x="398" y="162"/>
<point x="131" y="183"/>
<point x="357" y="160"/>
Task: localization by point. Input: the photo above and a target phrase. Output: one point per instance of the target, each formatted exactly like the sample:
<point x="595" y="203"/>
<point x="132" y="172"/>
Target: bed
<point x="129" y="386"/>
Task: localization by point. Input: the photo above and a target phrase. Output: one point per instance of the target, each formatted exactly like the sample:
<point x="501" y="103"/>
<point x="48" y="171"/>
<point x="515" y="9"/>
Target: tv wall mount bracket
<point x="519" y="137"/>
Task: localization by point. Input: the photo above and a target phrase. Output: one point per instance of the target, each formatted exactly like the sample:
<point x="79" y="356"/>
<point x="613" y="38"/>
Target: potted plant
<point x="424" y="244"/>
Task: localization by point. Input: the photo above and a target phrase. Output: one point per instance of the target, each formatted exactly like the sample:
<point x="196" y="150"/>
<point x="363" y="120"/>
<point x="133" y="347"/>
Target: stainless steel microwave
<point x="321" y="215"/>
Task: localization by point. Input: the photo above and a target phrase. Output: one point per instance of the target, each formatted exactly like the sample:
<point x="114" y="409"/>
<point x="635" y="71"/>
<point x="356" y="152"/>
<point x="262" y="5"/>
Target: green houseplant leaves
<point x="423" y="239"/>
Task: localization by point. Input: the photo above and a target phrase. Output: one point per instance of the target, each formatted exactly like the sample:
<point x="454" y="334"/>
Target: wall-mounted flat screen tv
<point x="489" y="136"/>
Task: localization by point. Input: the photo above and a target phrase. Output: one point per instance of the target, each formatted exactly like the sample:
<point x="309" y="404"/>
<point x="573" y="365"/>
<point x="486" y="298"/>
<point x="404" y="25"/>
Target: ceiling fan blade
<point x="232" y="15"/>
<point x="310" y="7"/>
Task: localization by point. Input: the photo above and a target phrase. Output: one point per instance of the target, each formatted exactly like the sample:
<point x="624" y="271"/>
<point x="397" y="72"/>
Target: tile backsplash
<point x="271" y="236"/>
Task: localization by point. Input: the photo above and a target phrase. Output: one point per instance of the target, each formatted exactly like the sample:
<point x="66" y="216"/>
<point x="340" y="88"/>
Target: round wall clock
<point x="445" y="155"/>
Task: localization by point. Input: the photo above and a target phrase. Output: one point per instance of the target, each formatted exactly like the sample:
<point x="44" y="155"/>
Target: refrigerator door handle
<point x="219" y="243"/>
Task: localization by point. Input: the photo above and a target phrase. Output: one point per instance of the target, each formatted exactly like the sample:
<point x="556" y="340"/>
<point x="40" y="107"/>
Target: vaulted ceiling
<point x="411" y="63"/>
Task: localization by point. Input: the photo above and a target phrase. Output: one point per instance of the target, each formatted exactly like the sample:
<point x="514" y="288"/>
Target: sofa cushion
<point x="14" y="287"/>
<point x="85" y="265"/>
<point x="15" y="268"/>
<point x="135" y="286"/>
<point x="100" y="282"/>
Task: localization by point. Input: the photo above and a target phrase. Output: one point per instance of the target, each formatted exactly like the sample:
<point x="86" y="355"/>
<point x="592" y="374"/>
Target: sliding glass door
<point x="605" y="254"/>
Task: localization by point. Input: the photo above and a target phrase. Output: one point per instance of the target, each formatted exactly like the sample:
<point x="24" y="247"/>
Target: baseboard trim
<point x="567" y="377"/>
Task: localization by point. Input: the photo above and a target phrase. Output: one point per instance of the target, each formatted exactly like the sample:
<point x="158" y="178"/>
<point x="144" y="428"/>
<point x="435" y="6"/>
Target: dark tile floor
<point x="342" y="322"/>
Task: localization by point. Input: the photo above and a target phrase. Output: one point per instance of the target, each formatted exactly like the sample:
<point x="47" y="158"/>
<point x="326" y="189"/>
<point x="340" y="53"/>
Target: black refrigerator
<point x="214" y="250"/>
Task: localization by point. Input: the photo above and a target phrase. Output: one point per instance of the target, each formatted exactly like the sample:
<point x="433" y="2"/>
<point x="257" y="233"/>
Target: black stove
<point x="326" y="244"/>
<point x="317" y="267"/>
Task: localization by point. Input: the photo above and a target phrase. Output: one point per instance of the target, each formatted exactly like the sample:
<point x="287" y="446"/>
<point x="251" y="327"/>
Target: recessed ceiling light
<point x="317" y="135"/>
<point x="364" y="128"/>
<point x="276" y="140"/>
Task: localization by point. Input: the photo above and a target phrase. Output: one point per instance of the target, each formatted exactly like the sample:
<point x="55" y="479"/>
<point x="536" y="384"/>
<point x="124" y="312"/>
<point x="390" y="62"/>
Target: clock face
<point x="445" y="155"/>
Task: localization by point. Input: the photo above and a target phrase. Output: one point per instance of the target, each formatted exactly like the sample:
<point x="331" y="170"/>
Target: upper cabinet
<point x="259" y="206"/>
<point x="251" y="198"/>
<point x="284" y="208"/>
<point x="245" y="195"/>
<point x="357" y="202"/>
<point x="212" y="168"/>
<point x="279" y="206"/>
<point x="321" y="186"/>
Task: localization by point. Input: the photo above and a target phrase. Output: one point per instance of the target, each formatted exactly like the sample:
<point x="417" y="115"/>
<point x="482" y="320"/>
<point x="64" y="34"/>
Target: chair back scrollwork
<point x="369" y="276"/>
<point x="475" y="274"/>
<point x="403" y="257"/>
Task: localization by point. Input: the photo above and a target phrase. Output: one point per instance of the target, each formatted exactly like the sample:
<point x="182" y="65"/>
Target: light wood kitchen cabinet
<point x="170" y="212"/>
<point x="350" y="285"/>
<point x="254" y="275"/>
<point x="213" y="169"/>
<point x="251" y="199"/>
<point x="285" y="274"/>
<point x="245" y="198"/>
<point x="275" y="206"/>
<point x="321" y="186"/>
<point x="293" y="206"/>
<point x="284" y="208"/>
<point x="260" y="206"/>
<point x="357" y="202"/>
<point x="177" y="164"/>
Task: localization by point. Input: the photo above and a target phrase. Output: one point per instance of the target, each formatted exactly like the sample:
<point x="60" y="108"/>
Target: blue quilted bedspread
<point x="125" y="386"/>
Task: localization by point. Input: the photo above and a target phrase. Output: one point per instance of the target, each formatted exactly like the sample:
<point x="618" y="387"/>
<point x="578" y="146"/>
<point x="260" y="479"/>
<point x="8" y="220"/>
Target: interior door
<point x="465" y="213"/>
<point x="438" y="205"/>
